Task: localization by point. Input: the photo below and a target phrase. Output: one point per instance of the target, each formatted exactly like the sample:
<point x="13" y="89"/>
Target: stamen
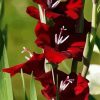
<point x="27" y="58"/>
<point x="64" y="39"/>
<point x="59" y="39"/>
<point x="56" y="4"/>
<point x="63" y="28"/>
<point x="63" y="84"/>
<point x="56" y="38"/>
<point x="60" y="34"/>
<point x="49" y="2"/>
<point x="53" y="76"/>
<point x="26" y="50"/>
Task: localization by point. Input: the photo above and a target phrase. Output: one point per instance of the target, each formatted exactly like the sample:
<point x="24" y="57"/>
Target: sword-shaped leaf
<point x="23" y="86"/>
<point x="33" y="94"/>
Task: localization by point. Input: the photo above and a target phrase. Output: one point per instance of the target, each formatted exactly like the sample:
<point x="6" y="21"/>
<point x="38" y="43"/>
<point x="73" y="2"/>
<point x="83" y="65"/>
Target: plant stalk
<point x="88" y="50"/>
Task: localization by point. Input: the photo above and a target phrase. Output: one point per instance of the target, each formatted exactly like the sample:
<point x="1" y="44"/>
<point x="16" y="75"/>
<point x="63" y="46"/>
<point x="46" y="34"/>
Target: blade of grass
<point x="5" y="81"/>
<point x="23" y="86"/>
<point x="6" y="85"/>
<point x="33" y="94"/>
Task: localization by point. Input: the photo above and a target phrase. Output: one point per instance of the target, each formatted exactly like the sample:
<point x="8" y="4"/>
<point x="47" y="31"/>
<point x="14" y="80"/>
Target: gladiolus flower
<point x="72" y="87"/>
<point x="60" y="43"/>
<point x="34" y="64"/>
<point x="68" y="8"/>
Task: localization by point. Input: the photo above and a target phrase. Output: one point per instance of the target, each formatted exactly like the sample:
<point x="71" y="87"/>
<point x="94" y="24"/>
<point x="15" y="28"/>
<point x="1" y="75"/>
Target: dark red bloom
<point x="35" y="65"/>
<point x="46" y="80"/>
<point x="77" y="90"/>
<point x="34" y="12"/>
<point x="59" y="42"/>
<point x="70" y="8"/>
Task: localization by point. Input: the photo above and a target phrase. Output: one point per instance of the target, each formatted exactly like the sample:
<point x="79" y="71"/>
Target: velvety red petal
<point x="54" y="56"/>
<point x="42" y="32"/>
<point x="41" y="2"/>
<point x="72" y="14"/>
<point x="35" y="65"/>
<point x="82" y="84"/>
<point x="41" y="28"/>
<point x="43" y="40"/>
<point x="79" y="44"/>
<point x="33" y="11"/>
<point x="53" y="15"/>
<point x="49" y="92"/>
<point x="76" y="53"/>
<point x="74" y="8"/>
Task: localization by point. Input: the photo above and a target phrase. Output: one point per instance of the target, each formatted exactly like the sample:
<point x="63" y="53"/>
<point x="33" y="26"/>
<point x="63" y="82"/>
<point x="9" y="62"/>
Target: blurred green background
<point x="21" y="33"/>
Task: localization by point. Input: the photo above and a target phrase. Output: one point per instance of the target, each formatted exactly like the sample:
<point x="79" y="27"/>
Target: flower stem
<point x="80" y="22"/>
<point x="57" y="92"/>
<point x="74" y="66"/>
<point x="55" y="79"/>
<point x="88" y="50"/>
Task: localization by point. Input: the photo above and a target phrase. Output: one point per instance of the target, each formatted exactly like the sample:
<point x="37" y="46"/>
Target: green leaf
<point x="97" y="42"/>
<point x="33" y="94"/>
<point x="5" y="82"/>
<point x="23" y="86"/>
<point x="98" y="14"/>
<point x="1" y="11"/>
<point x="66" y="65"/>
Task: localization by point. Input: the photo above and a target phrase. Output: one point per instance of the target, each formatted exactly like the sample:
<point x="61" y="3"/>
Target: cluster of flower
<point x="59" y="40"/>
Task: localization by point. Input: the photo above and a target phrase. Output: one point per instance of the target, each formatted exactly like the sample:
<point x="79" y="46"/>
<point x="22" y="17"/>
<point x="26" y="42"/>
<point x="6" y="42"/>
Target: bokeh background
<point x="21" y="33"/>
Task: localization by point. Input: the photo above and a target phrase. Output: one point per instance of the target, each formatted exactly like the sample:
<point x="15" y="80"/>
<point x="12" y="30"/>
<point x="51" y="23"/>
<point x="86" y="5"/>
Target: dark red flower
<point x="71" y="86"/>
<point x="35" y="65"/>
<point x="47" y="82"/>
<point x="59" y="42"/>
<point x="34" y="12"/>
<point x="69" y="8"/>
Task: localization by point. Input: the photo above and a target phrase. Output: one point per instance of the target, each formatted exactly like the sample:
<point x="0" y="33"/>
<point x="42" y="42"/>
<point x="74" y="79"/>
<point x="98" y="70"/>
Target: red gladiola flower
<point x="70" y="8"/>
<point x="34" y="12"/>
<point x="59" y="42"/>
<point x="35" y="65"/>
<point x="71" y="86"/>
<point x="46" y="80"/>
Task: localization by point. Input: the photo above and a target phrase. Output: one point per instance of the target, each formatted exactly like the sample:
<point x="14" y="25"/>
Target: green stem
<point x="74" y="66"/>
<point x="57" y="92"/>
<point x="80" y="22"/>
<point x="88" y="50"/>
<point x="55" y="79"/>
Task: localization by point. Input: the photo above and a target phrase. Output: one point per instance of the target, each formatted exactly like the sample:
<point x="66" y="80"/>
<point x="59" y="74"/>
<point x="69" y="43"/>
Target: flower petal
<point x="33" y="11"/>
<point x="35" y="65"/>
<point x="54" y="56"/>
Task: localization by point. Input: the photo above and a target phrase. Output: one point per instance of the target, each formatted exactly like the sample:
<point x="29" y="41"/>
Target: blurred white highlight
<point x="94" y="78"/>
